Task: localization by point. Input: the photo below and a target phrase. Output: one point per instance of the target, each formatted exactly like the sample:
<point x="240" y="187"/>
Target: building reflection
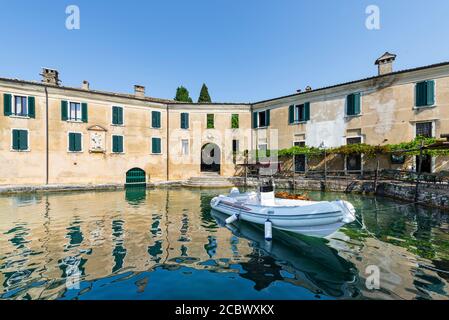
<point x="66" y="242"/>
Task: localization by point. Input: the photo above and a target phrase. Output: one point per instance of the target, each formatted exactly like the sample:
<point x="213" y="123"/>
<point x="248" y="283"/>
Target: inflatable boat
<point x="311" y="218"/>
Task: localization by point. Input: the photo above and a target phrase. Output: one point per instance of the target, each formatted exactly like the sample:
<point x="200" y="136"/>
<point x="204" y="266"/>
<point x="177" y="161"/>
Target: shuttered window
<point x="299" y="113"/>
<point x="353" y="104"/>
<point x="425" y="93"/>
<point x="117" y="144"/>
<point x="184" y="120"/>
<point x="155" y="119"/>
<point x="20" y="106"/>
<point x="19" y="140"/>
<point x="117" y="116"/>
<point x="156" y="145"/>
<point x="261" y="119"/>
<point x="75" y="142"/>
<point x="74" y="111"/>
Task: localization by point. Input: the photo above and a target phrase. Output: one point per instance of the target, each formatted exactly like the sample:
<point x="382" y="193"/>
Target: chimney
<point x="85" y="85"/>
<point x="139" y="91"/>
<point x="385" y="63"/>
<point x="308" y="88"/>
<point x="50" y="76"/>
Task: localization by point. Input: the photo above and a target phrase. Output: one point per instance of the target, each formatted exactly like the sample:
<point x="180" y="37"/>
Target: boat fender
<point x="268" y="230"/>
<point x="232" y="219"/>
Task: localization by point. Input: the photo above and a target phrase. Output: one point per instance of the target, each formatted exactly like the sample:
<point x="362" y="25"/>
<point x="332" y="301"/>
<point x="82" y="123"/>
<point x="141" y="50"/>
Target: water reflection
<point x="166" y="243"/>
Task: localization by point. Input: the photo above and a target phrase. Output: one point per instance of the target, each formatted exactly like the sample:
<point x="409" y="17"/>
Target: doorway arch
<point x="210" y="158"/>
<point x="136" y="177"/>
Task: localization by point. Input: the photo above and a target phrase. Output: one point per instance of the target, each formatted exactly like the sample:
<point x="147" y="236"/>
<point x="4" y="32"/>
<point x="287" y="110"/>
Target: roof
<point x="357" y="81"/>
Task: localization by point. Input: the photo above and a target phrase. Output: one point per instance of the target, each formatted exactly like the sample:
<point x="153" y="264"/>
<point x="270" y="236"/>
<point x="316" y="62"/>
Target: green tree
<point x="204" y="95"/>
<point x="182" y="95"/>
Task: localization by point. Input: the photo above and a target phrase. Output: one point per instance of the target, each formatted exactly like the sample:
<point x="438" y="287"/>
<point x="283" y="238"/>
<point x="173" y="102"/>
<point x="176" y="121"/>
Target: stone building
<point x="52" y="134"/>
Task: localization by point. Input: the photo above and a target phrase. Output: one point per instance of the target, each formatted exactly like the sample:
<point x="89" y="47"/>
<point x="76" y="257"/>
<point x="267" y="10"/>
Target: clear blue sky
<point x="244" y="50"/>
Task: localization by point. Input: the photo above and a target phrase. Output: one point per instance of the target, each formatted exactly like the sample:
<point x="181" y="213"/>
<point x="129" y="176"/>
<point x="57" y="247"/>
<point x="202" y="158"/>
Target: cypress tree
<point x="182" y="95"/>
<point x="204" y="95"/>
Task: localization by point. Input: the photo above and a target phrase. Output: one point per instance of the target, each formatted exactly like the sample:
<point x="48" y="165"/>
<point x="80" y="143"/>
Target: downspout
<point x="168" y="150"/>
<point x="46" y="138"/>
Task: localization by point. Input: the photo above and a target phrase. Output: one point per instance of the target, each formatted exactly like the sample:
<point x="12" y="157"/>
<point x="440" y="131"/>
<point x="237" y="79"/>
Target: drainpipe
<point x="46" y="138"/>
<point x="167" y="148"/>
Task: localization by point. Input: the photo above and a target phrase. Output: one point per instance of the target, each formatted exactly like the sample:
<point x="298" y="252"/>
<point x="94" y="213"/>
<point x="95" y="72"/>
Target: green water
<point x="166" y="244"/>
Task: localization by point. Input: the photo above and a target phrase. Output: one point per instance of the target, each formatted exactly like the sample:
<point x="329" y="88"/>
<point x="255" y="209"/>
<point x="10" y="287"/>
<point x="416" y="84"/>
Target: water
<point x="166" y="244"/>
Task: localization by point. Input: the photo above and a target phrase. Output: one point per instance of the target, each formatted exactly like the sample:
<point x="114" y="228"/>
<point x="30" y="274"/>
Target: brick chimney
<point x="139" y="91"/>
<point x="385" y="63"/>
<point x="50" y="76"/>
<point x="85" y="85"/>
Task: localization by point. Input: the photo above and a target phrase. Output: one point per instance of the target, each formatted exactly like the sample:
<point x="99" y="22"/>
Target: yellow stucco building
<point x="51" y="134"/>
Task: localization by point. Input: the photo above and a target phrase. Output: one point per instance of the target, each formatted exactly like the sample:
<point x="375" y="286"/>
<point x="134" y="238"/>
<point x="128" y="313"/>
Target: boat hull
<point x="319" y="219"/>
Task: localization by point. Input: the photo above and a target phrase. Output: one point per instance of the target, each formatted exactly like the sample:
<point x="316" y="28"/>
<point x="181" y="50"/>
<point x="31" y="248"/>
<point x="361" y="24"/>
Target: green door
<point x="135" y="177"/>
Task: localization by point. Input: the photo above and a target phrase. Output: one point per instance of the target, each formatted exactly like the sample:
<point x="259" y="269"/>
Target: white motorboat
<point x="312" y="218"/>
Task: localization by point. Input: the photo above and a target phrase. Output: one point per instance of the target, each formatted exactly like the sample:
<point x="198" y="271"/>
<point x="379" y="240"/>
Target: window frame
<point x="112" y="116"/>
<point x="182" y="149"/>
<point x="207" y="120"/>
<point x="236" y="115"/>
<point x="361" y="156"/>
<point x="305" y="157"/>
<point x="160" y="119"/>
<point x="68" y="141"/>
<point x="69" y="119"/>
<point x="112" y="143"/>
<point x="188" y="120"/>
<point x="12" y="140"/>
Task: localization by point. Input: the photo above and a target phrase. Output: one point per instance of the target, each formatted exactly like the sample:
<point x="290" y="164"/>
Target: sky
<point x="244" y="50"/>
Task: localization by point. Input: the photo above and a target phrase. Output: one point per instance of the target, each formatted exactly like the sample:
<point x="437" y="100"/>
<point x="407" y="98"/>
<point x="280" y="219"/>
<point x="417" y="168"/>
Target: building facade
<point x="51" y="134"/>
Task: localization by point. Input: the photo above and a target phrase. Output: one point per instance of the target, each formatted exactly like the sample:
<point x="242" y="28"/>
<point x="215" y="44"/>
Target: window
<point x="261" y="119"/>
<point x="75" y="142"/>
<point x="299" y="113"/>
<point x="155" y="119"/>
<point x="185" y="147"/>
<point x="354" y="162"/>
<point x="300" y="159"/>
<point x="20" y="106"/>
<point x="424" y="129"/>
<point x="19" y="140"/>
<point x="235" y="121"/>
<point x="73" y="111"/>
<point x="156" y="145"/>
<point x="210" y="121"/>
<point x="117" y="116"/>
<point x="425" y="93"/>
<point x="263" y="150"/>
<point x="117" y="144"/>
<point x="353" y="104"/>
<point x="184" y="120"/>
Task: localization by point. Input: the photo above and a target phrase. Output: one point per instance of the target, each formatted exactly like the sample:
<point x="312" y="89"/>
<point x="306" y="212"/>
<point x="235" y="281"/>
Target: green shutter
<point x="114" y="143"/>
<point x="349" y="105"/>
<point x="430" y="93"/>
<point x="120" y="115"/>
<point x="84" y="116"/>
<point x="421" y="94"/>
<point x="307" y="111"/>
<point x="64" y="110"/>
<point x="15" y="140"/>
<point x="31" y="107"/>
<point x="7" y="101"/>
<point x="114" y="115"/>
<point x="291" y="114"/>
<point x="184" y="120"/>
<point x="267" y="118"/>
<point x="71" y="142"/>
<point x="156" y="145"/>
<point x="255" y="124"/>
<point x="23" y="140"/>
<point x="357" y="103"/>
<point x="78" y="137"/>
<point x="120" y="144"/>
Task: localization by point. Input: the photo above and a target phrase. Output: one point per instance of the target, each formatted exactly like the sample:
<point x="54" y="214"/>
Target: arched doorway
<point x="136" y="177"/>
<point x="210" y="158"/>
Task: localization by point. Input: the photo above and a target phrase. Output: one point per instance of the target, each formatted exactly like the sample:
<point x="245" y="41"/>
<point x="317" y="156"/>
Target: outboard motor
<point x="266" y="191"/>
